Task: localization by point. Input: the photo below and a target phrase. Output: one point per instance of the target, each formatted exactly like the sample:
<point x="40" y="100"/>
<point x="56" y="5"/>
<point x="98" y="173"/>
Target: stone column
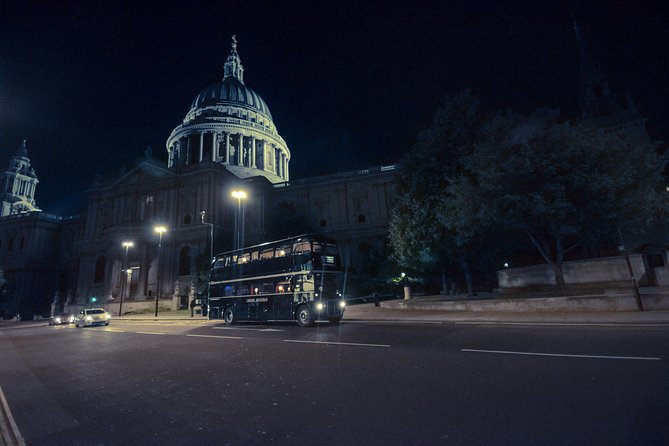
<point x="240" y="150"/>
<point x="253" y="152"/>
<point x="227" y="148"/>
<point x="201" y="147"/>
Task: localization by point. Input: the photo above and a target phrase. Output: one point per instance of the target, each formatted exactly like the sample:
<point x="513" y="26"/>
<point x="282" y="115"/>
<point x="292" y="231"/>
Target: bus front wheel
<point x="305" y="316"/>
<point x="228" y="316"/>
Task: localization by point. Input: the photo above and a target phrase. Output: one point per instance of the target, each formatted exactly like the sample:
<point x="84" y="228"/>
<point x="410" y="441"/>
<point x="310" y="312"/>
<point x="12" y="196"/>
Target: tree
<point x="562" y="185"/>
<point x="419" y="235"/>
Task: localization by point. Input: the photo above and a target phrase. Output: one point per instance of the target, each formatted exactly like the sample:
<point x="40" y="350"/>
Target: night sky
<point x="349" y="85"/>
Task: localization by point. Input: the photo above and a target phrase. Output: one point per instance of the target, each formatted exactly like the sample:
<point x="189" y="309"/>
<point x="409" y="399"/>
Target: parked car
<point x="92" y="316"/>
<point x="61" y="319"/>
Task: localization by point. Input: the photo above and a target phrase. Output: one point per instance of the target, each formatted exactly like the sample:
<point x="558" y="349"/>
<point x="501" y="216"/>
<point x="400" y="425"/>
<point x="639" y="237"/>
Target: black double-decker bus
<point x="297" y="278"/>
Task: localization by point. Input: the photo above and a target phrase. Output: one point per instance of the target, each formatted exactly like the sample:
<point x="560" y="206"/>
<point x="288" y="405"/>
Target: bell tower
<point x="18" y="184"/>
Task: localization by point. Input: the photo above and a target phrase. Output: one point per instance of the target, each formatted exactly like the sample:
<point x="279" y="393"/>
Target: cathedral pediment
<point x="146" y="171"/>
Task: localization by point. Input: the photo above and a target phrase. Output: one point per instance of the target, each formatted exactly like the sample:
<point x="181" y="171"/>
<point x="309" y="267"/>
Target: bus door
<point x="263" y="299"/>
<point x="283" y="299"/>
<point x="247" y="307"/>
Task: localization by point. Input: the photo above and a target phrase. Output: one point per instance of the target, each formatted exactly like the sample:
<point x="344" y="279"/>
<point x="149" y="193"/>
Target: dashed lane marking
<point x="357" y="344"/>
<point x="150" y="332"/>
<point x="563" y="355"/>
<point x="565" y="324"/>
<point x="214" y="336"/>
<point x="245" y="329"/>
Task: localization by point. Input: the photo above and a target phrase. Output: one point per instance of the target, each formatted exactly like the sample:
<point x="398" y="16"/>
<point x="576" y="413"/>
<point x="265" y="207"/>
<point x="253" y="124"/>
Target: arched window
<point x="187" y="219"/>
<point x="99" y="270"/>
<point x="184" y="261"/>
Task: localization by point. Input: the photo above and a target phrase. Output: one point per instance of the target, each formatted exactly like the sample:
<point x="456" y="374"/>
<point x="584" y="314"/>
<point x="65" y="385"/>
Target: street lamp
<point x="211" y="235"/>
<point x="239" y="220"/>
<point x="126" y="244"/>
<point x="160" y="230"/>
<point x="211" y="255"/>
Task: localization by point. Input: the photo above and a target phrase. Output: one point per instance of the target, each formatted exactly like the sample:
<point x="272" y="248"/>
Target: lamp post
<point x="126" y="244"/>
<point x="239" y="220"/>
<point x="160" y="230"/>
<point x="205" y="309"/>
<point x="211" y="235"/>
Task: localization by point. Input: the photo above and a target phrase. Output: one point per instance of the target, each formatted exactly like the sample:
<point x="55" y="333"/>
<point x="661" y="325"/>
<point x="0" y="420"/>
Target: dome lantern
<point x="233" y="65"/>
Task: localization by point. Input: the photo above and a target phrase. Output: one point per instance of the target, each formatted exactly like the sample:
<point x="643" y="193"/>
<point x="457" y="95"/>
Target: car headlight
<point x="88" y="318"/>
<point x="107" y="316"/>
<point x="71" y="319"/>
<point x="320" y="306"/>
<point x="58" y="320"/>
<point x="342" y="304"/>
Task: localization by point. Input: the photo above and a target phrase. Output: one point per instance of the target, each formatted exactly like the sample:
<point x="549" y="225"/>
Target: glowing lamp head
<point x="239" y="194"/>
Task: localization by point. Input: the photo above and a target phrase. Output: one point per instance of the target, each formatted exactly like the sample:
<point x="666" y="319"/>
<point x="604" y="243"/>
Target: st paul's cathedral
<point x="227" y="142"/>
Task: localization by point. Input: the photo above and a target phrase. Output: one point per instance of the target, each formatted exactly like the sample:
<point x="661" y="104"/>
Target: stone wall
<point x="605" y="271"/>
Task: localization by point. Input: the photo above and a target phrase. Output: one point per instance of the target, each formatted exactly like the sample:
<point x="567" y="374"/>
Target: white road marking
<point x="405" y="322"/>
<point x="564" y="324"/>
<point x="150" y="332"/>
<point x="336" y="343"/>
<point x="214" y="336"/>
<point x="563" y="355"/>
<point x="114" y="330"/>
<point x="245" y="329"/>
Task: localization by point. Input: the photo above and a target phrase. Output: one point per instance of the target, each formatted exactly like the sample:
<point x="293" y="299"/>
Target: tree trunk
<point x="556" y="264"/>
<point x="559" y="276"/>
<point x="444" y="281"/>
<point x="468" y="276"/>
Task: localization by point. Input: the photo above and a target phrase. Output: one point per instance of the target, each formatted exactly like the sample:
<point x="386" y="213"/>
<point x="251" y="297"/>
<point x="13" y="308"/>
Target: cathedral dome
<point x="229" y="123"/>
<point x="230" y="91"/>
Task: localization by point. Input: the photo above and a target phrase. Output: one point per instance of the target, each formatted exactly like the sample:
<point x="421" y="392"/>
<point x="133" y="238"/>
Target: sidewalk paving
<point x="386" y="312"/>
<point x="390" y="311"/>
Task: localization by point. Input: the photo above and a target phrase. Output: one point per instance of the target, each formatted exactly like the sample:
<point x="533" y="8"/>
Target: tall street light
<point x="160" y="230"/>
<point x="239" y="220"/>
<point x="211" y="235"/>
<point x="211" y="256"/>
<point x="126" y="244"/>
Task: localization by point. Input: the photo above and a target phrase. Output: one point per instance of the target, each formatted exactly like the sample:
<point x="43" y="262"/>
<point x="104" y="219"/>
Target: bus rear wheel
<point x="228" y="316"/>
<point x="305" y="316"/>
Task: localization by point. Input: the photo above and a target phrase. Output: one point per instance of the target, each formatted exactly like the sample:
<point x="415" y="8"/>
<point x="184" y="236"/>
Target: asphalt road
<point x="199" y="382"/>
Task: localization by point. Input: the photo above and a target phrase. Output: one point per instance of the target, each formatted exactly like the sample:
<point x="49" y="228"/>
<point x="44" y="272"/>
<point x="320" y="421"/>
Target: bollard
<point x="407" y="293"/>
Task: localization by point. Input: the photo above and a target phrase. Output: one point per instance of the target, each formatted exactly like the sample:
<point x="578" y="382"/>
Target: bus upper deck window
<point x="301" y="247"/>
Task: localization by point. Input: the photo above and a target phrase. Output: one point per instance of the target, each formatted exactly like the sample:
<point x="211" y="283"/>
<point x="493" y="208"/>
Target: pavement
<point x="427" y="308"/>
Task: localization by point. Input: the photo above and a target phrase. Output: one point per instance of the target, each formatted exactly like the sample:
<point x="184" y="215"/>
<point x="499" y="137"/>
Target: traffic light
<point x="94" y="299"/>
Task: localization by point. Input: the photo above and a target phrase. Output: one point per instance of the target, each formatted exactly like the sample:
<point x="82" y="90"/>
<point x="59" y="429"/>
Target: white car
<point x="92" y="316"/>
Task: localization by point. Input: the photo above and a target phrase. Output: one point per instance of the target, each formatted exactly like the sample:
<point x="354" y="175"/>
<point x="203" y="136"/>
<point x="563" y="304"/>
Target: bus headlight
<point x="342" y="304"/>
<point x="320" y="306"/>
